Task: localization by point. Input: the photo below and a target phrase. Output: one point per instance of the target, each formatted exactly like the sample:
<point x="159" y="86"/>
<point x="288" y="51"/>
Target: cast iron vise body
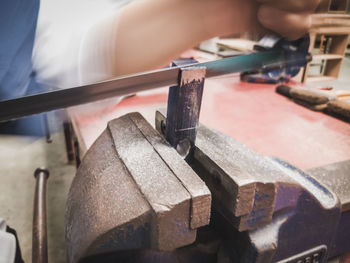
<point x="136" y="199"/>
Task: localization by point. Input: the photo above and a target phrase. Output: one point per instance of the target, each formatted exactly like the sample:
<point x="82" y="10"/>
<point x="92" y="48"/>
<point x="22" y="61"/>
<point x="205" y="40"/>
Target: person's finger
<point x="290" y="25"/>
<point x="293" y="5"/>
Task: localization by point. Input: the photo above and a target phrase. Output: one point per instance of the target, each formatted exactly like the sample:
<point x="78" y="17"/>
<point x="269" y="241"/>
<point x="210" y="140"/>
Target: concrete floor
<point x="20" y="156"/>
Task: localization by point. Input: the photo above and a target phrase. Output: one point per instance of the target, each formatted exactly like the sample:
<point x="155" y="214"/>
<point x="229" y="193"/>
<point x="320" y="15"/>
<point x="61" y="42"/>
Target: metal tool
<point x="39" y="248"/>
<point x="42" y="102"/>
<point x="272" y="42"/>
<point x="267" y="210"/>
<point x="184" y="105"/>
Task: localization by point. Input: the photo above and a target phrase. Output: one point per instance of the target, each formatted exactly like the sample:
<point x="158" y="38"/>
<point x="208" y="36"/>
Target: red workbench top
<point x="251" y="113"/>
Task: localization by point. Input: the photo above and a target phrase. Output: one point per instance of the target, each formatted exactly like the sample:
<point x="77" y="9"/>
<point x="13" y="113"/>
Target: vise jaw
<point x="265" y="209"/>
<point x="133" y="191"/>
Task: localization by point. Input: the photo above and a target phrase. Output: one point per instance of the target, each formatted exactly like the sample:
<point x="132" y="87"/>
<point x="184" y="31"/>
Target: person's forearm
<point x="147" y="34"/>
<point x="150" y="33"/>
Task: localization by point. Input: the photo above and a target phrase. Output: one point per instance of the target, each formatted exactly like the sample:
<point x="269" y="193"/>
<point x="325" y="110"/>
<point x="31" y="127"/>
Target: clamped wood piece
<point x="184" y="105"/>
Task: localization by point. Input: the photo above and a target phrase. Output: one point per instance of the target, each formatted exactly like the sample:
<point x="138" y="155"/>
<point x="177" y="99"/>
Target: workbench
<point x="253" y="114"/>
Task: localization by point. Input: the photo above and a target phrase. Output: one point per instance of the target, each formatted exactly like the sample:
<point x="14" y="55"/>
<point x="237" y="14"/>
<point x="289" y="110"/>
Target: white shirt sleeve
<point x="67" y="50"/>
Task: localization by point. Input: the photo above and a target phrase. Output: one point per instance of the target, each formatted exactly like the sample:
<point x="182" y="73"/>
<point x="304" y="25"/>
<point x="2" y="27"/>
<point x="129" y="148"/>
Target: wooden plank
<point x="333" y="30"/>
<point x="317" y="78"/>
<point x="326" y="20"/>
<point x="332" y="16"/>
<point x="326" y="57"/>
<point x="237" y="44"/>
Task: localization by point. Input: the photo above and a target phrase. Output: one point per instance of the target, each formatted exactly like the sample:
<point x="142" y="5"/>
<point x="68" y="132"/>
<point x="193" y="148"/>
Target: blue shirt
<point x="18" y="20"/>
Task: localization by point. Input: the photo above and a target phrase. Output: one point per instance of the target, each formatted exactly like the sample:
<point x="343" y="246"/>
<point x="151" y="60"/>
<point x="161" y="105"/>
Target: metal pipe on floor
<point x="39" y="244"/>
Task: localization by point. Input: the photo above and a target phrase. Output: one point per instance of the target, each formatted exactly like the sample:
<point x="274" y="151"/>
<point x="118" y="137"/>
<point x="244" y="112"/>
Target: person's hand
<point x="289" y="18"/>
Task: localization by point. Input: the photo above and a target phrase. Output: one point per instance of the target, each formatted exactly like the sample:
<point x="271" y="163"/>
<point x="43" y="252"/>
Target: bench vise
<point x="185" y="193"/>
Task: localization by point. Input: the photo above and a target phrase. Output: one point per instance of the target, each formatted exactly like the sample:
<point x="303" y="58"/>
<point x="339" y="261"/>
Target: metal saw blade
<point x="62" y="98"/>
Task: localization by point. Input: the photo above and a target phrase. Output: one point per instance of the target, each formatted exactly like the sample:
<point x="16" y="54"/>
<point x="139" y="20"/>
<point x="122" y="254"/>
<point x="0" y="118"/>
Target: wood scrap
<point x="237" y="44"/>
<point x="340" y="107"/>
<point x="335" y="103"/>
<point x="326" y="20"/>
